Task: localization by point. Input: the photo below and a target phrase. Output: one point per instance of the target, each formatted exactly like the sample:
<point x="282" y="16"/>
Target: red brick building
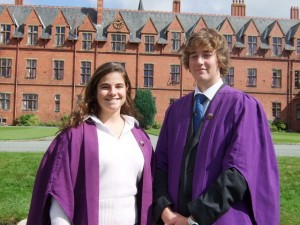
<point x="47" y="54"/>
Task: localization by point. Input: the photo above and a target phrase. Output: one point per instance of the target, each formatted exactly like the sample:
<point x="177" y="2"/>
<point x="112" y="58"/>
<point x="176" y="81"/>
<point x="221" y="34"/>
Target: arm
<point x="229" y="188"/>
<point x="57" y="214"/>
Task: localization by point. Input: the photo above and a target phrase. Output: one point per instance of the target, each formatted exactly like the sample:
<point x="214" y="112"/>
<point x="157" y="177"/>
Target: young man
<point x="223" y="171"/>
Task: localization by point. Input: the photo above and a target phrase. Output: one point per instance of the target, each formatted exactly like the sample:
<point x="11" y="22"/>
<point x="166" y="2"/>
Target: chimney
<point x="18" y="2"/>
<point x="99" y="11"/>
<point x="176" y="6"/>
<point x="294" y="13"/>
<point x="238" y="8"/>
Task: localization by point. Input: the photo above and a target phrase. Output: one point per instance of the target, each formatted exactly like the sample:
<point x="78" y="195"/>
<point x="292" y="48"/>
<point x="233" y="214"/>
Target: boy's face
<point x="203" y="65"/>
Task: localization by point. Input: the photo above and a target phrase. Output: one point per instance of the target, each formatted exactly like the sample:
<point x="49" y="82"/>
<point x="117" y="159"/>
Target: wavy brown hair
<point x="90" y="106"/>
<point x="210" y="40"/>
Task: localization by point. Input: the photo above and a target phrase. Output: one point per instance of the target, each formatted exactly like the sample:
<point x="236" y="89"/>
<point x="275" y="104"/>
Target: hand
<point x="171" y="218"/>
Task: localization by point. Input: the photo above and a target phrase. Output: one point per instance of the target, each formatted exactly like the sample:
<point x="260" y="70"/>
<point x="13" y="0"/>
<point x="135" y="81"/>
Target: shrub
<point x="28" y="120"/>
<point x="156" y="125"/>
<point x="145" y="105"/>
<point x="277" y="125"/>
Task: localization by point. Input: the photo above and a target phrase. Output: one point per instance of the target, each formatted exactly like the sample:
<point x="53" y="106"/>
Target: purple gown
<point x="69" y="172"/>
<point x="235" y="134"/>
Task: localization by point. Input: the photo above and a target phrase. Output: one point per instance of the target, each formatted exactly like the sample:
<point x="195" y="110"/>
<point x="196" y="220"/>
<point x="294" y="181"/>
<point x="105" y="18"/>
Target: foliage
<point x="277" y="125"/>
<point x="28" y="120"/>
<point x="145" y="104"/>
<point x="156" y="125"/>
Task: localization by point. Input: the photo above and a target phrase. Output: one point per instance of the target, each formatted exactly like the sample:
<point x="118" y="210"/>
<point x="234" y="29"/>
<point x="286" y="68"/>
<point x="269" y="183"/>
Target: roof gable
<point x="149" y="28"/>
<point x="276" y="30"/>
<point x="6" y="17"/>
<point x="34" y="19"/>
<point x="250" y="29"/>
<point x="87" y="25"/>
<point x="175" y="25"/>
<point x="60" y="19"/>
<point x="118" y="24"/>
<point x="226" y="27"/>
<point x="199" y="25"/>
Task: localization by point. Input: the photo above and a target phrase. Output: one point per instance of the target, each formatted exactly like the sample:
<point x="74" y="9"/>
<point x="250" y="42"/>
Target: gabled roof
<point x="136" y="20"/>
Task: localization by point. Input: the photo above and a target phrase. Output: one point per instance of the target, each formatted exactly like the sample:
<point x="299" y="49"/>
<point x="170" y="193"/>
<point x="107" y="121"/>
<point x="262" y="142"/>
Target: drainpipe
<point x="73" y="78"/>
<point x="16" y="81"/>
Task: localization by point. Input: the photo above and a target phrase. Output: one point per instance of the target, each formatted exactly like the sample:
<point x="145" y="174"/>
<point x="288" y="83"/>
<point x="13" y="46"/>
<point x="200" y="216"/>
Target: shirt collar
<point x="211" y="91"/>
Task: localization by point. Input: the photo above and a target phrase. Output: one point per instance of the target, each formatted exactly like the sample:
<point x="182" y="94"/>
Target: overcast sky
<point x="255" y="8"/>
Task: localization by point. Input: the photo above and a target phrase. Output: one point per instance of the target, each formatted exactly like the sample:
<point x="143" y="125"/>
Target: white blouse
<point x="121" y="164"/>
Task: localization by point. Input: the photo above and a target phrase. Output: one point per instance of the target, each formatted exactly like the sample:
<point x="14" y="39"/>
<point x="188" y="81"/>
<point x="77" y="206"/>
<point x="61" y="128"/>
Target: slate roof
<point x="136" y="19"/>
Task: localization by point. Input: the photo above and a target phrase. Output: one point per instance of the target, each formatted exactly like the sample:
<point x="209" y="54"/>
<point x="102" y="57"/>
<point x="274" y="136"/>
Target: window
<point x="118" y="42"/>
<point x="5" y="68"/>
<point x="251" y="79"/>
<point x="148" y="75"/>
<point x="229" y="41"/>
<point x="4" y="101"/>
<point x="4" y="33"/>
<point x="30" y="102"/>
<point x="298" y="111"/>
<point x="149" y="43"/>
<point x="175" y="74"/>
<point x="86" y="41"/>
<point x="252" y="45"/>
<point x="276" y="109"/>
<point x="3" y="121"/>
<point x="229" y="78"/>
<point x="276" y="79"/>
<point x="277" y="46"/>
<point x="85" y="72"/>
<point x="297" y="79"/>
<point x="175" y="41"/>
<point x="58" y="69"/>
<point x="31" y="68"/>
<point x="298" y="46"/>
<point x="60" y="36"/>
<point x="57" y="103"/>
<point x="32" y="35"/>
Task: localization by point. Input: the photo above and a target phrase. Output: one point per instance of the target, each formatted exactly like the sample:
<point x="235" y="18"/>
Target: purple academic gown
<point x="235" y="134"/>
<point x="69" y="172"/>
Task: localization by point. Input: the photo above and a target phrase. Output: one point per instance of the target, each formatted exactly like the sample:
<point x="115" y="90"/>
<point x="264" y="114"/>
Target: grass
<point x="17" y="172"/>
<point x="286" y="137"/>
<point x="26" y="133"/>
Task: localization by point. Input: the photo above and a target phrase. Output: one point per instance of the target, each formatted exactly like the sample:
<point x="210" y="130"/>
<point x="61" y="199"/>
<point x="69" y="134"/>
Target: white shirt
<point x="121" y="164"/>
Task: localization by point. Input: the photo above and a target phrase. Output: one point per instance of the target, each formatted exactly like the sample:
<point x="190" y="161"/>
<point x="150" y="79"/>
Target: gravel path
<point x="42" y="145"/>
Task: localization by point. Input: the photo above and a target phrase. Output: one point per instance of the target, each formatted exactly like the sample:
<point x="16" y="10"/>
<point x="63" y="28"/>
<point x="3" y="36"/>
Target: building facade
<point x="48" y="54"/>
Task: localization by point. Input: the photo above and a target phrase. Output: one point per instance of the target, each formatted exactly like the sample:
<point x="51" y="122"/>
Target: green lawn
<point x="286" y="137"/>
<point x="26" y="133"/>
<point x="17" y="172"/>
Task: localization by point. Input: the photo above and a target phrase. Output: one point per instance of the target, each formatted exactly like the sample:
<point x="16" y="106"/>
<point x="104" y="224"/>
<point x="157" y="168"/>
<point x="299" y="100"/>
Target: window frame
<point x="297" y="79"/>
<point x="4" y="101"/>
<point x="229" y="78"/>
<point x="60" y="35"/>
<point x="252" y="45"/>
<point x="149" y="43"/>
<point x="174" y="74"/>
<point x="298" y="111"/>
<point x="29" y="102"/>
<point x="85" y="72"/>
<point x="175" y="40"/>
<point x="277" y="46"/>
<point x="5" y="33"/>
<point x="276" y="109"/>
<point x="87" y="39"/>
<point x="148" y="74"/>
<point x="276" y="80"/>
<point x="57" y="103"/>
<point x="251" y="77"/>
<point x="118" y="42"/>
<point x="58" y="69"/>
<point x="31" y="69"/>
<point x="229" y="38"/>
<point x="32" y="35"/>
<point x="5" y="67"/>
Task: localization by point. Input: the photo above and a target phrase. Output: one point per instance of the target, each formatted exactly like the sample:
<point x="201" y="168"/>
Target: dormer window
<point x="5" y="33"/>
<point x="149" y="43"/>
<point x="277" y="46"/>
<point x="60" y="33"/>
<point x="32" y="35"/>
<point x="175" y="41"/>
<point x="118" y="42"/>
<point x="87" y="41"/>
<point x="252" y="45"/>
<point x="229" y="41"/>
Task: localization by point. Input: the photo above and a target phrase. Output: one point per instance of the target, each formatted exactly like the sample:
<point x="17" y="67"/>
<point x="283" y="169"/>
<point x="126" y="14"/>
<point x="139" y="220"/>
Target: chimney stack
<point x="18" y="2"/>
<point x="99" y="11"/>
<point x="176" y="6"/>
<point x="238" y="8"/>
<point x="294" y="13"/>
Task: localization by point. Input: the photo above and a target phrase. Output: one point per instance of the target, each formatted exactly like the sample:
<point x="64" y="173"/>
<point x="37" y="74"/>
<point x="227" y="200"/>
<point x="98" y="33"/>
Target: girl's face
<point x="111" y="93"/>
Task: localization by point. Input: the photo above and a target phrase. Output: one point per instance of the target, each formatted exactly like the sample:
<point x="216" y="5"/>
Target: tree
<point x="145" y="105"/>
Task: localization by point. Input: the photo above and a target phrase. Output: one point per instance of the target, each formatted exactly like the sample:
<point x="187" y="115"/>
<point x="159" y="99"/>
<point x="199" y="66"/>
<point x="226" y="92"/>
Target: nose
<point x="200" y="59"/>
<point x="112" y="91"/>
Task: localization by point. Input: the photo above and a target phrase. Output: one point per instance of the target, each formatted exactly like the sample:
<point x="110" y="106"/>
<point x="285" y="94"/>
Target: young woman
<point x="98" y="169"/>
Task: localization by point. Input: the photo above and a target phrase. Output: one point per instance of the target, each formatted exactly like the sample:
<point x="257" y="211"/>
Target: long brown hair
<point x="90" y="106"/>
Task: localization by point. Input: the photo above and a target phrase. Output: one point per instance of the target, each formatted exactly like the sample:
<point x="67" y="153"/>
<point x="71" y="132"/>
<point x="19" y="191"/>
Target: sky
<point x="254" y="8"/>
